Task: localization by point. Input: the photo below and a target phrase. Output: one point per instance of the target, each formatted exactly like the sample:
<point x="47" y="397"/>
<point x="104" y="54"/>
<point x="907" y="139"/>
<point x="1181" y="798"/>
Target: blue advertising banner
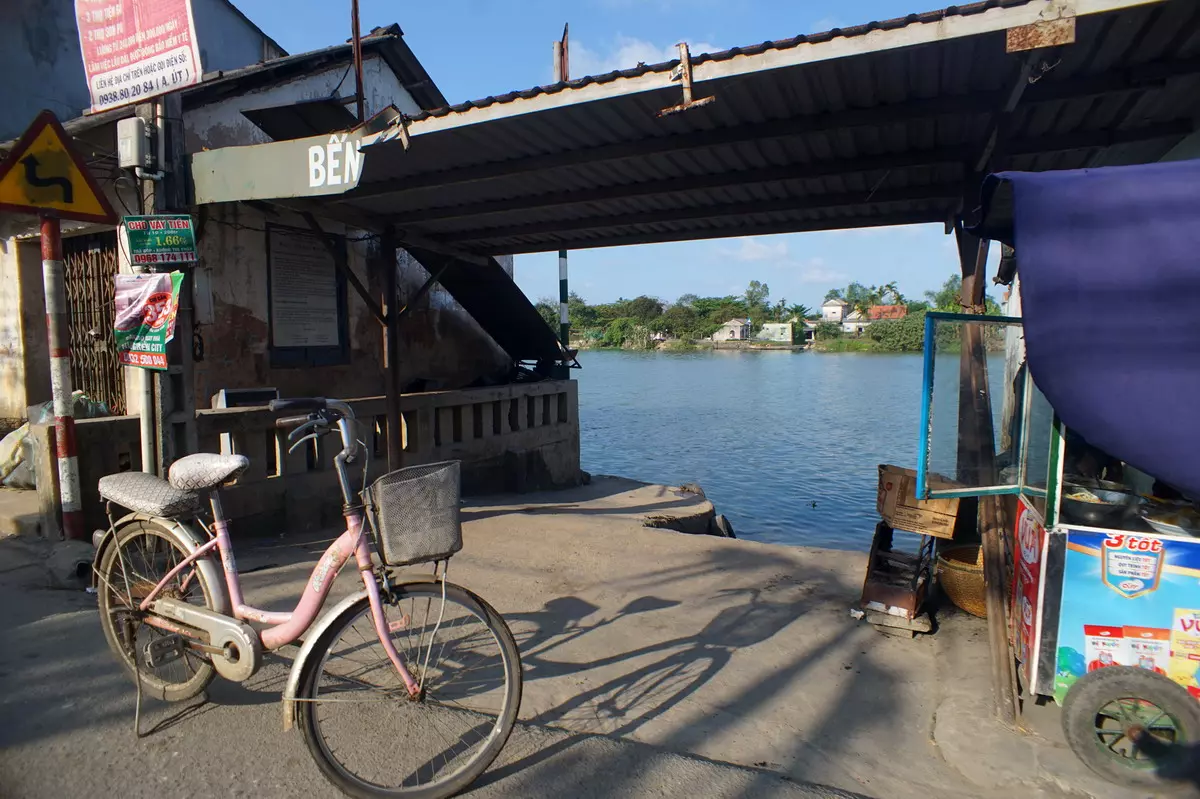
<point x="1129" y="600"/>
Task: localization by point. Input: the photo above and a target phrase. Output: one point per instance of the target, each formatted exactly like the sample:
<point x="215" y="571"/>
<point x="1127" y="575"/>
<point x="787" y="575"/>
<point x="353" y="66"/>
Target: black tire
<point x="1094" y="734"/>
<point x="110" y="586"/>
<point x="454" y="783"/>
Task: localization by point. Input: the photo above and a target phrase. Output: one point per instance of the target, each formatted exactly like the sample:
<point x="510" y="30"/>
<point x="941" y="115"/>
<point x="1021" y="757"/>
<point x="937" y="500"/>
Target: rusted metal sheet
<point x="683" y="74"/>
<point x="1050" y="33"/>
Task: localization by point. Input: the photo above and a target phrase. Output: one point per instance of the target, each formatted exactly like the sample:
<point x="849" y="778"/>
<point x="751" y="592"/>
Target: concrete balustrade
<point x="514" y="438"/>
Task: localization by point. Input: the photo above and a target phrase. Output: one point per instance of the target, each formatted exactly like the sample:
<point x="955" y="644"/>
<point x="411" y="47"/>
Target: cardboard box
<point x="899" y="507"/>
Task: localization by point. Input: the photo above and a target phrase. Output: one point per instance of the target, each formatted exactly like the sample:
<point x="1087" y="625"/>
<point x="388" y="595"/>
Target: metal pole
<point x="358" y="60"/>
<point x="564" y="319"/>
<point x="395" y="418"/>
<point x="146" y="422"/>
<point x="57" y="321"/>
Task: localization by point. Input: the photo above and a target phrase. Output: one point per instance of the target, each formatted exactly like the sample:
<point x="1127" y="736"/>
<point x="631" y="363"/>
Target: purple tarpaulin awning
<point x="1109" y="261"/>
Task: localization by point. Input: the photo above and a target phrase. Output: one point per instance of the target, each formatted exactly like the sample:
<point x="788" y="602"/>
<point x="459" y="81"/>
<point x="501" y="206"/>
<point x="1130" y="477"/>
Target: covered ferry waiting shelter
<point x="888" y="123"/>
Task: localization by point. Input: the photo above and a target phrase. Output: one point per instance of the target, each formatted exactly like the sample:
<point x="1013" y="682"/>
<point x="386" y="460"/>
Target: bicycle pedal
<point x="164" y="650"/>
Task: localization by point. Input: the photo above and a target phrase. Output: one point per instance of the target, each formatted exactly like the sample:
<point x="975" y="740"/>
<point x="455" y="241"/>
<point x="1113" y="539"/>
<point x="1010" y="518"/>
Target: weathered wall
<point x="227" y="39"/>
<point x="24" y="353"/>
<point x="43" y="67"/>
<point x="222" y="124"/>
<point x="520" y="437"/>
<point x="441" y="345"/>
<point x="233" y="256"/>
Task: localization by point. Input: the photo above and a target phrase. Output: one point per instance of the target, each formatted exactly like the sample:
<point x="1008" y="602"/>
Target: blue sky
<point x="477" y="48"/>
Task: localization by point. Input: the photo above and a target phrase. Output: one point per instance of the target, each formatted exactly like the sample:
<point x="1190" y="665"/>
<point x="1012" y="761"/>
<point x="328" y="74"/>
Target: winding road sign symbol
<point x="44" y="176"/>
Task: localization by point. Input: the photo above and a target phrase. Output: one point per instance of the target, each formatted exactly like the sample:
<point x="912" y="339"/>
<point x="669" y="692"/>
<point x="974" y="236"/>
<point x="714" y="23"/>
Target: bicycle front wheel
<point x="369" y="737"/>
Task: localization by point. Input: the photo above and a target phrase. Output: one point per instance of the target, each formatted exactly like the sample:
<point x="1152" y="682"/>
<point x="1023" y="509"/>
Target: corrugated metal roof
<point x="881" y="124"/>
<point x="927" y="17"/>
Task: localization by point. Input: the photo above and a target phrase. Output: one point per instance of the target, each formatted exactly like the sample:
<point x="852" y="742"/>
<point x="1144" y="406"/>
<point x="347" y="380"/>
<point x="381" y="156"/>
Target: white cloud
<point x="816" y="272"/>
<point x="754" y="249"/>
<point x="625" y="52"/>
<point x="774" y="252"/>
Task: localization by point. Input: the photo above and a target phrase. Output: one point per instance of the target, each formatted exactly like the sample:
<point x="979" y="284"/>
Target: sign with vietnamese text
<point x="160" y="239"/>
<point x="146" y="306"/>
<point x="136" y="49"/>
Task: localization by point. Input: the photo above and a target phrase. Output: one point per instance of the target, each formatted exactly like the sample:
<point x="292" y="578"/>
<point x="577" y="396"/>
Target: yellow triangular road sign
<point x="44" y="176"/>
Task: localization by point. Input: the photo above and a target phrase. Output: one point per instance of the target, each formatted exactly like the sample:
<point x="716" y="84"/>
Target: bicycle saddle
<point x="206" y="471"/>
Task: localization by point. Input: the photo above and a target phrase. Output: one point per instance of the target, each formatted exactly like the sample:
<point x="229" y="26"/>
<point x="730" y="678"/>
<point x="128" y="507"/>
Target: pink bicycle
<point x="427" y="668"/>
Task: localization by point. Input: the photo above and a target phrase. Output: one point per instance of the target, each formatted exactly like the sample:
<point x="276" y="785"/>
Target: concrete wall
<point x="24" y="352"/>
<point x="441" y="345"/>
<point x="513" y="438"/>
<point x="776" y="331"/>
<point x="227" y="39"/>
<point x="43" y="67"/>
<point x="221" y="124"/>
<point x="833" y="313"/>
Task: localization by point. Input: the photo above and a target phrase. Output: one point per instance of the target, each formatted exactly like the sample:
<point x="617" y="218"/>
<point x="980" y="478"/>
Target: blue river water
<point x="785" y="444"/>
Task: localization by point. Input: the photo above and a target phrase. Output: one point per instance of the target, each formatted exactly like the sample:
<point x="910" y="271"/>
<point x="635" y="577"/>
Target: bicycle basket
<point x="414" y="513"/>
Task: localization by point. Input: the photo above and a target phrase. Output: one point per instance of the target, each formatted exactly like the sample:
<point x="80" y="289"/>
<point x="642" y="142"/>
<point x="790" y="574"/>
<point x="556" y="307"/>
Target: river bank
<point x="685" y="345"/>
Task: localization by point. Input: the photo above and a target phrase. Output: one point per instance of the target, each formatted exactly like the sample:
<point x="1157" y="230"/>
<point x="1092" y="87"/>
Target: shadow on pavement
<point x="748" y="612"/>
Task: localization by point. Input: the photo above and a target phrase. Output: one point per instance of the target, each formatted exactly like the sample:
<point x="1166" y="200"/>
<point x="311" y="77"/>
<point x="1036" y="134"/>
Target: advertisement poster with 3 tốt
<point x="1129" y="600"/>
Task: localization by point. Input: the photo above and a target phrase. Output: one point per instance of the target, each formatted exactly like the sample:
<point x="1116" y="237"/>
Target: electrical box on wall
<point x="131" y="142"/>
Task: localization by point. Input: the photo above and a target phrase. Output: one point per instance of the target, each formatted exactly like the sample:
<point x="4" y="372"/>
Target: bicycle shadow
<point x="660" y="686"/>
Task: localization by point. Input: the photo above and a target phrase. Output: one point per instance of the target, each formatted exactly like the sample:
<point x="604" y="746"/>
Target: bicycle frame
<point x="285" y="628"/>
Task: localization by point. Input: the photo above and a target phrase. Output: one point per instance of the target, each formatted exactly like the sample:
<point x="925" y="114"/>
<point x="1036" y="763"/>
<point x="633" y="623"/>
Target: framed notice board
<point x="307" y="321"/>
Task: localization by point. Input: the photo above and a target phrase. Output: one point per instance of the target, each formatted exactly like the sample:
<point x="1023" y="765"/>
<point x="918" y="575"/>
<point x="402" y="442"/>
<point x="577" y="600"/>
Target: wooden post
<point x="976" y="455"/>
<point x="391" y="377"/>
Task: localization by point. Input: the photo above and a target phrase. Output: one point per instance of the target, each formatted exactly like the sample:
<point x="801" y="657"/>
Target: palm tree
<point x="800" y="312"/>
<point x="893" y="291"/>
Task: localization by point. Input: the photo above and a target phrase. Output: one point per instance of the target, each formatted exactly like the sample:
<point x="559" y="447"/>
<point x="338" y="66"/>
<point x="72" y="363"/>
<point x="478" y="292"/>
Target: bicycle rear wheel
<point x="365" y="732"/>
<point x="142" y="554"/>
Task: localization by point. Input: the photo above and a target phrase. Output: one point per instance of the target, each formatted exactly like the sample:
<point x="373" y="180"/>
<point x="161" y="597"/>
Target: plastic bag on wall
<point x="11" y="451"/>
<point x="16" y="457"/>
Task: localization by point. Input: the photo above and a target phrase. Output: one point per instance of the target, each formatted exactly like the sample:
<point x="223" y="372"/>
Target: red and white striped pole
<point x="57" y="321"/>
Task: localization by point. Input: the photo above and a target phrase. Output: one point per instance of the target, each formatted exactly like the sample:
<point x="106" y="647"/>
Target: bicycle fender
<point x="187" y="537"/>
<point x="306" y="651"/>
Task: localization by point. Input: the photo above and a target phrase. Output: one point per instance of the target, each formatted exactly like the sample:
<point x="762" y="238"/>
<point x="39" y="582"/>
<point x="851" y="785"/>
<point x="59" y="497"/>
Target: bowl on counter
<point x="1095" y="506"/>
<point x="1168" y="520"/>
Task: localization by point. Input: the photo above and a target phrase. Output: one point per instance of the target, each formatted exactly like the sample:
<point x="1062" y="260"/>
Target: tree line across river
<point x="633" y="324"/>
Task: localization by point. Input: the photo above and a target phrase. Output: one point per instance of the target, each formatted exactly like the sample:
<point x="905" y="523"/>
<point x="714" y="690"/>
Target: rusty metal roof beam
<point x="814" y="203"/>
<point x="937" y="215"/>
<point x="1137" y="78"/>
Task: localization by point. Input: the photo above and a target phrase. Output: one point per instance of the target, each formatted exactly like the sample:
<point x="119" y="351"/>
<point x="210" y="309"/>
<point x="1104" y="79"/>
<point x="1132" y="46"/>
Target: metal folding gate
<point x="90" y="264"/>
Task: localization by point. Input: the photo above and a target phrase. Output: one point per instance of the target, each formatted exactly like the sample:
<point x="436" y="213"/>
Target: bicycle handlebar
<point x="306" y="404"/>
<point x="290" y="421"/>
<point x="320" y="415"/>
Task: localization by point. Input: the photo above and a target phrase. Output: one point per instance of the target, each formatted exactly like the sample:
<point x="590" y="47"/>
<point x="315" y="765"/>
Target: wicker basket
<point x="960" y="571"/>
<point x="414" y="513"/>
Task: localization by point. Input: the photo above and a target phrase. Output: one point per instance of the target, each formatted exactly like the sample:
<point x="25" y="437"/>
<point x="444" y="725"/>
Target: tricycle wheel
<point x="1133" y="726"/>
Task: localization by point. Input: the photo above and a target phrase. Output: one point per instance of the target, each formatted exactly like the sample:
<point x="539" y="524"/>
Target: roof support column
<point x="392" y="388"/>
<point x="977" y="456"/>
